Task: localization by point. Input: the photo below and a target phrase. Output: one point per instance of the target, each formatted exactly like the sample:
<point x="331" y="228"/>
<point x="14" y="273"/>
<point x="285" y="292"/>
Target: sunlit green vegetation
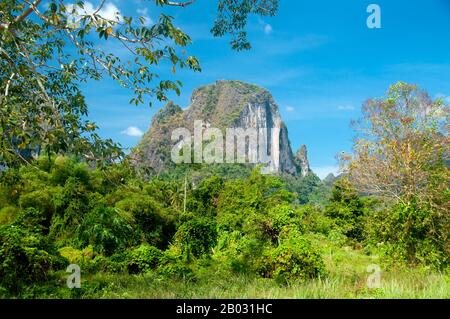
<point x="246" y="237"/>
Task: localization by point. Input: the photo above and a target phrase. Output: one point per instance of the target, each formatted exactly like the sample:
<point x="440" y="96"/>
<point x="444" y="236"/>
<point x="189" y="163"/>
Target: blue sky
<point x="318" y="58"/>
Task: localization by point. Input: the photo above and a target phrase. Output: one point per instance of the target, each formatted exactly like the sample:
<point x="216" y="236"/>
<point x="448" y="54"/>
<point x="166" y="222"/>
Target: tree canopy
<point x="402" y="146"/>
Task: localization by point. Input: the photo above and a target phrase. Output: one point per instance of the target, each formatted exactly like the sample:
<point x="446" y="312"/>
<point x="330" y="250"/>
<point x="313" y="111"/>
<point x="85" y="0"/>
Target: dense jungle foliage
<point x="59" y="211"/>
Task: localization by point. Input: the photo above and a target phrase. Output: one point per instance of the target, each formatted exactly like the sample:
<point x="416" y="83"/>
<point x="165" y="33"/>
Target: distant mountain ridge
<point x="223" y="104"/>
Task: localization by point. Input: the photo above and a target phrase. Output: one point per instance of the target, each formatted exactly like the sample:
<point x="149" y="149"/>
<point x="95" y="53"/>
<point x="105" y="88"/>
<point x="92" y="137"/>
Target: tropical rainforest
<point x="69" y="197"/>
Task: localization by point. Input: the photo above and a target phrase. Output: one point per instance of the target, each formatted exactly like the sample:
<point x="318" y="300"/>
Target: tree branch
<point x="179" y="4"/>
<point x="8" y="84"/>
<point x="21" y="17"/>
<point x="99" y="7"/>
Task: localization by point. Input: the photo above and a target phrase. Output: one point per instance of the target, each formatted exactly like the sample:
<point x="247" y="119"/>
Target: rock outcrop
<point x="223" y="105"/>
<point x="301" y="158"/>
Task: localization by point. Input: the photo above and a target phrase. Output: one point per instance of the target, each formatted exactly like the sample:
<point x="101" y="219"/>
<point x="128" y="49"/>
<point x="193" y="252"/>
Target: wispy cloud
<point x="346" y="107"/>
<point x="290" y="109"/>
<point x="268" y="29"/>
<point x="132" y="131"/>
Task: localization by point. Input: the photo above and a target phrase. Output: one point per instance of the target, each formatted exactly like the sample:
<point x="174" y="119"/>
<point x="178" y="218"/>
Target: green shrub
<point x="62" y="169"/>
<point x="294" y="258"/>
<point x="91" y="263"/>
<point x="40" y="199"/>
<point x="280" y="217"/>
<point x="11" y="185"/>
<point x="72" y="203"/>
<point x="173" y="265"/>
<point x="240" y="253"/>
<point x="97" y="264"/>
<point x="197" y="236"/>
<point x="314" y="220"/>
<point x="155" y="223"/>
<point x="25" y="258"/>
<point x="347" y="209"/>
<point x="410" y="234"/>
<point x="337" y="237"/>
<point x="106" y="229"/>
<point x="76" y="256"/>
<point x="8" y="214"/>
<point x="118" y="263"/>
<point x="205" y="197"/>
<point x="144" y="259"/>
<point x="31" y="219"/>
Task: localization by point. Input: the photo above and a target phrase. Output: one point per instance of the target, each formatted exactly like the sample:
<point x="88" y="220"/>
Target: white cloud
<point x="268" y="29"/>
<point x="132" y="131"/>
<point x="108" y="11"/>
<point x="346" y="107"/>
<point x="143" y="12"/>
<point x="290" y="109"/>
<point x="323" y="171"/>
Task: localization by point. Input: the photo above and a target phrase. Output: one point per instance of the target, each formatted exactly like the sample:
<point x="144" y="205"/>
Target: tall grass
<point x="407" y="284"/>
<point x="346" y="278"/>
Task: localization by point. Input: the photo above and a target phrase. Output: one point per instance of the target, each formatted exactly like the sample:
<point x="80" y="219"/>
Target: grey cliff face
<point x="224" y="104"/>
<point x="261" y="111"/>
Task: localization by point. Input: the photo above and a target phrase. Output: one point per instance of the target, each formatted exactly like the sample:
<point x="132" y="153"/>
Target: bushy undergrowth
<point x="408" y="234"/>
<point x="57" y="212"/>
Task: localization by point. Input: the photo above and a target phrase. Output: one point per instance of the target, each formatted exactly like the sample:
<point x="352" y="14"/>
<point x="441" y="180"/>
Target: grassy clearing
<point x="346" y="278"/>
<point x="404" y="284"/>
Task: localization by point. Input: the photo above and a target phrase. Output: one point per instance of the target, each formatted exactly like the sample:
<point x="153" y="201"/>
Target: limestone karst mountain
<point x="222" y="105"/>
